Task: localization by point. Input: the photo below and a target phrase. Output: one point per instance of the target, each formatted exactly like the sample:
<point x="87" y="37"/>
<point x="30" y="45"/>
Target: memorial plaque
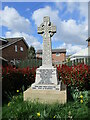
<point x="45" y="76"/>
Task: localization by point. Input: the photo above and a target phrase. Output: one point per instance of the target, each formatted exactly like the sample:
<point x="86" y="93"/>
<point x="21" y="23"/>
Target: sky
<point x="70" y="18"/>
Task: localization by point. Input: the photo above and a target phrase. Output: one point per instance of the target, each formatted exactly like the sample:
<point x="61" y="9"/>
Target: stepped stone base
<point x="45" y="96"/>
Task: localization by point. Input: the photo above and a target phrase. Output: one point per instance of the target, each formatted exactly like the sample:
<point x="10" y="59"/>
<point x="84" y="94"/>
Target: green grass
<point x="18" y="109"/>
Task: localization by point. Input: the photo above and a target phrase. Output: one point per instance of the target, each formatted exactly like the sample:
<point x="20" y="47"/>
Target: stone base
<point x="45" y="96"/>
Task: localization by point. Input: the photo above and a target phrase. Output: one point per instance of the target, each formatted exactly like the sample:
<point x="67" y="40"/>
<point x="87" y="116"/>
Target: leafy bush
<point x="29" y="62"/>
<point x="80" y="96"/>
<point x="16" y="79"/>
<point x="77" y="76"/>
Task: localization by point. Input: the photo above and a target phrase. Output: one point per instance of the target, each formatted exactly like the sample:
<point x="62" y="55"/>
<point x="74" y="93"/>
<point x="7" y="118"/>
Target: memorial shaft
<point x="47" y="54"/>
<point x="47" y="30"/>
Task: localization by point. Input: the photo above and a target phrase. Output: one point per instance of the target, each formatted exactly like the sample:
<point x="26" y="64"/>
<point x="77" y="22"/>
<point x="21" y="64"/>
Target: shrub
<point x="16" y="79"/>
<point x="29" y="62"/>
<point x="80" y="96"/>
<point x="77" y="76"/>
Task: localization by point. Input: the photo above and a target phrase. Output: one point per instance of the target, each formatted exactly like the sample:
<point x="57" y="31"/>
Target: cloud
<point x="31" y="40"/>
<point x="83" y="8"/>
<point x="28" y="9"/>
<point x="69" y="6"/>
<point x="67" y="31"/>
<point x="38" y="15"/>
<point x="71" y="32"/>
<point x="18" y="26"/>
<point x="71" y="49"/>
<point x="72" y="6"/>
<point x="13" y="20"/>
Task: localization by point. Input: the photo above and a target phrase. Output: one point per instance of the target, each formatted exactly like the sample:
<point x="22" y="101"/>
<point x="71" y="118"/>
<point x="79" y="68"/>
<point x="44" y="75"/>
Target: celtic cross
<point x="47" y="30"/>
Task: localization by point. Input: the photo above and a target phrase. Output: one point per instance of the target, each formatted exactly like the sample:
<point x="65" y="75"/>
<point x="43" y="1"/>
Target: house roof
<point x="1" y="58"/>
<point x="88" y="39"/>
<point x="54" y="51"/>
<point x="83" y="53"/>
<point x="10" y="41"/>
<point x="3" y="39"/>
<point x="67" y="56"/>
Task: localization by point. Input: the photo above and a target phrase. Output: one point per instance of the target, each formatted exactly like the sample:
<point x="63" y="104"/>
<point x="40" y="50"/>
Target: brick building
<point x="13" y="49"/>
<point x="58" y="55"/>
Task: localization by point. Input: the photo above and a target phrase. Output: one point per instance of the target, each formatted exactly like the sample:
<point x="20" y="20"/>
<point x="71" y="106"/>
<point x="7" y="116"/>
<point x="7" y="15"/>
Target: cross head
<point x="47" y="29"/>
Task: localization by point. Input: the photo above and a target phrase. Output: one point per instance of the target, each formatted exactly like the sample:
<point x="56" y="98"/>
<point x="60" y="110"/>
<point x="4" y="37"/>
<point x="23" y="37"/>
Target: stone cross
<point x="47" y="30"/>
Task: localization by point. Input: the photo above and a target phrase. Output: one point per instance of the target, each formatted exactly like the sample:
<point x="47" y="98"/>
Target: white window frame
<point x="21" y="49"/>
<point x="15" y="48"/>
<point x="57" y="54"/>
<point x="40" y="55"/>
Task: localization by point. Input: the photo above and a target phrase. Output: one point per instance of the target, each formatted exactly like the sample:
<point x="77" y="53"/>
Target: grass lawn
<point x="18" y="109"/>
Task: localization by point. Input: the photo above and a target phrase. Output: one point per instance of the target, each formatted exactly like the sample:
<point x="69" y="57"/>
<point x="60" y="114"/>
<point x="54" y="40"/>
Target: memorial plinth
<point x="46" y="75"/>
<point x="45" y="96"/>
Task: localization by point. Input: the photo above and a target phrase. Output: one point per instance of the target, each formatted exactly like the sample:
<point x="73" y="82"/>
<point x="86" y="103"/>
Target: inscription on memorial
<point x="45" y="75"/>
<point x="46" y="88"/>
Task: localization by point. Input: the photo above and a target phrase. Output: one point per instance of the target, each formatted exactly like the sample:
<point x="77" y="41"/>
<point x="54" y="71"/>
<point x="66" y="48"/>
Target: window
<point x="15" y="48"/>
<point x="21" y="48"/>
<point x="40" y="55"/>
<point x="57" y="54"/>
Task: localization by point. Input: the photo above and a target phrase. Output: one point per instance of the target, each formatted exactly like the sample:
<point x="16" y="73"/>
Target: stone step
<point x="45" y="96"/>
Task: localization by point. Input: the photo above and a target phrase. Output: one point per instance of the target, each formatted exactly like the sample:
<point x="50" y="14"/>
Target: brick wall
<point x="39" y="55"/>
<point x="56" y="58"/>
<point x="88" y="43"/>
<point x="10" y="54"/>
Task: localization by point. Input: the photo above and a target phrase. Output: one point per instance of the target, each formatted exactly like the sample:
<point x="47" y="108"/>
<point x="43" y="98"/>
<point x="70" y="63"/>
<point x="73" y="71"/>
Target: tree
<point x="31" y="53"/>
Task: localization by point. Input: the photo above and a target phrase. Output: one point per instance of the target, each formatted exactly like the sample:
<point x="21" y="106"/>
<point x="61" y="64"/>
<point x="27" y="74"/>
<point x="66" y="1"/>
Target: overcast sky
<point x="71" y="19"/>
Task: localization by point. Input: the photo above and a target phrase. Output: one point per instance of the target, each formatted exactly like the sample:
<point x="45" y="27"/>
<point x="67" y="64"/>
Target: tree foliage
<point x="31" y="53"/>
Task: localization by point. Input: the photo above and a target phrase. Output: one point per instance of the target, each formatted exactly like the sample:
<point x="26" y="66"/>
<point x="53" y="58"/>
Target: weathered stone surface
<point x="46" y="87"/>
<point x="47" y="30"/>
<point x="46" y="74"/>
<point x="45" y="96"/>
